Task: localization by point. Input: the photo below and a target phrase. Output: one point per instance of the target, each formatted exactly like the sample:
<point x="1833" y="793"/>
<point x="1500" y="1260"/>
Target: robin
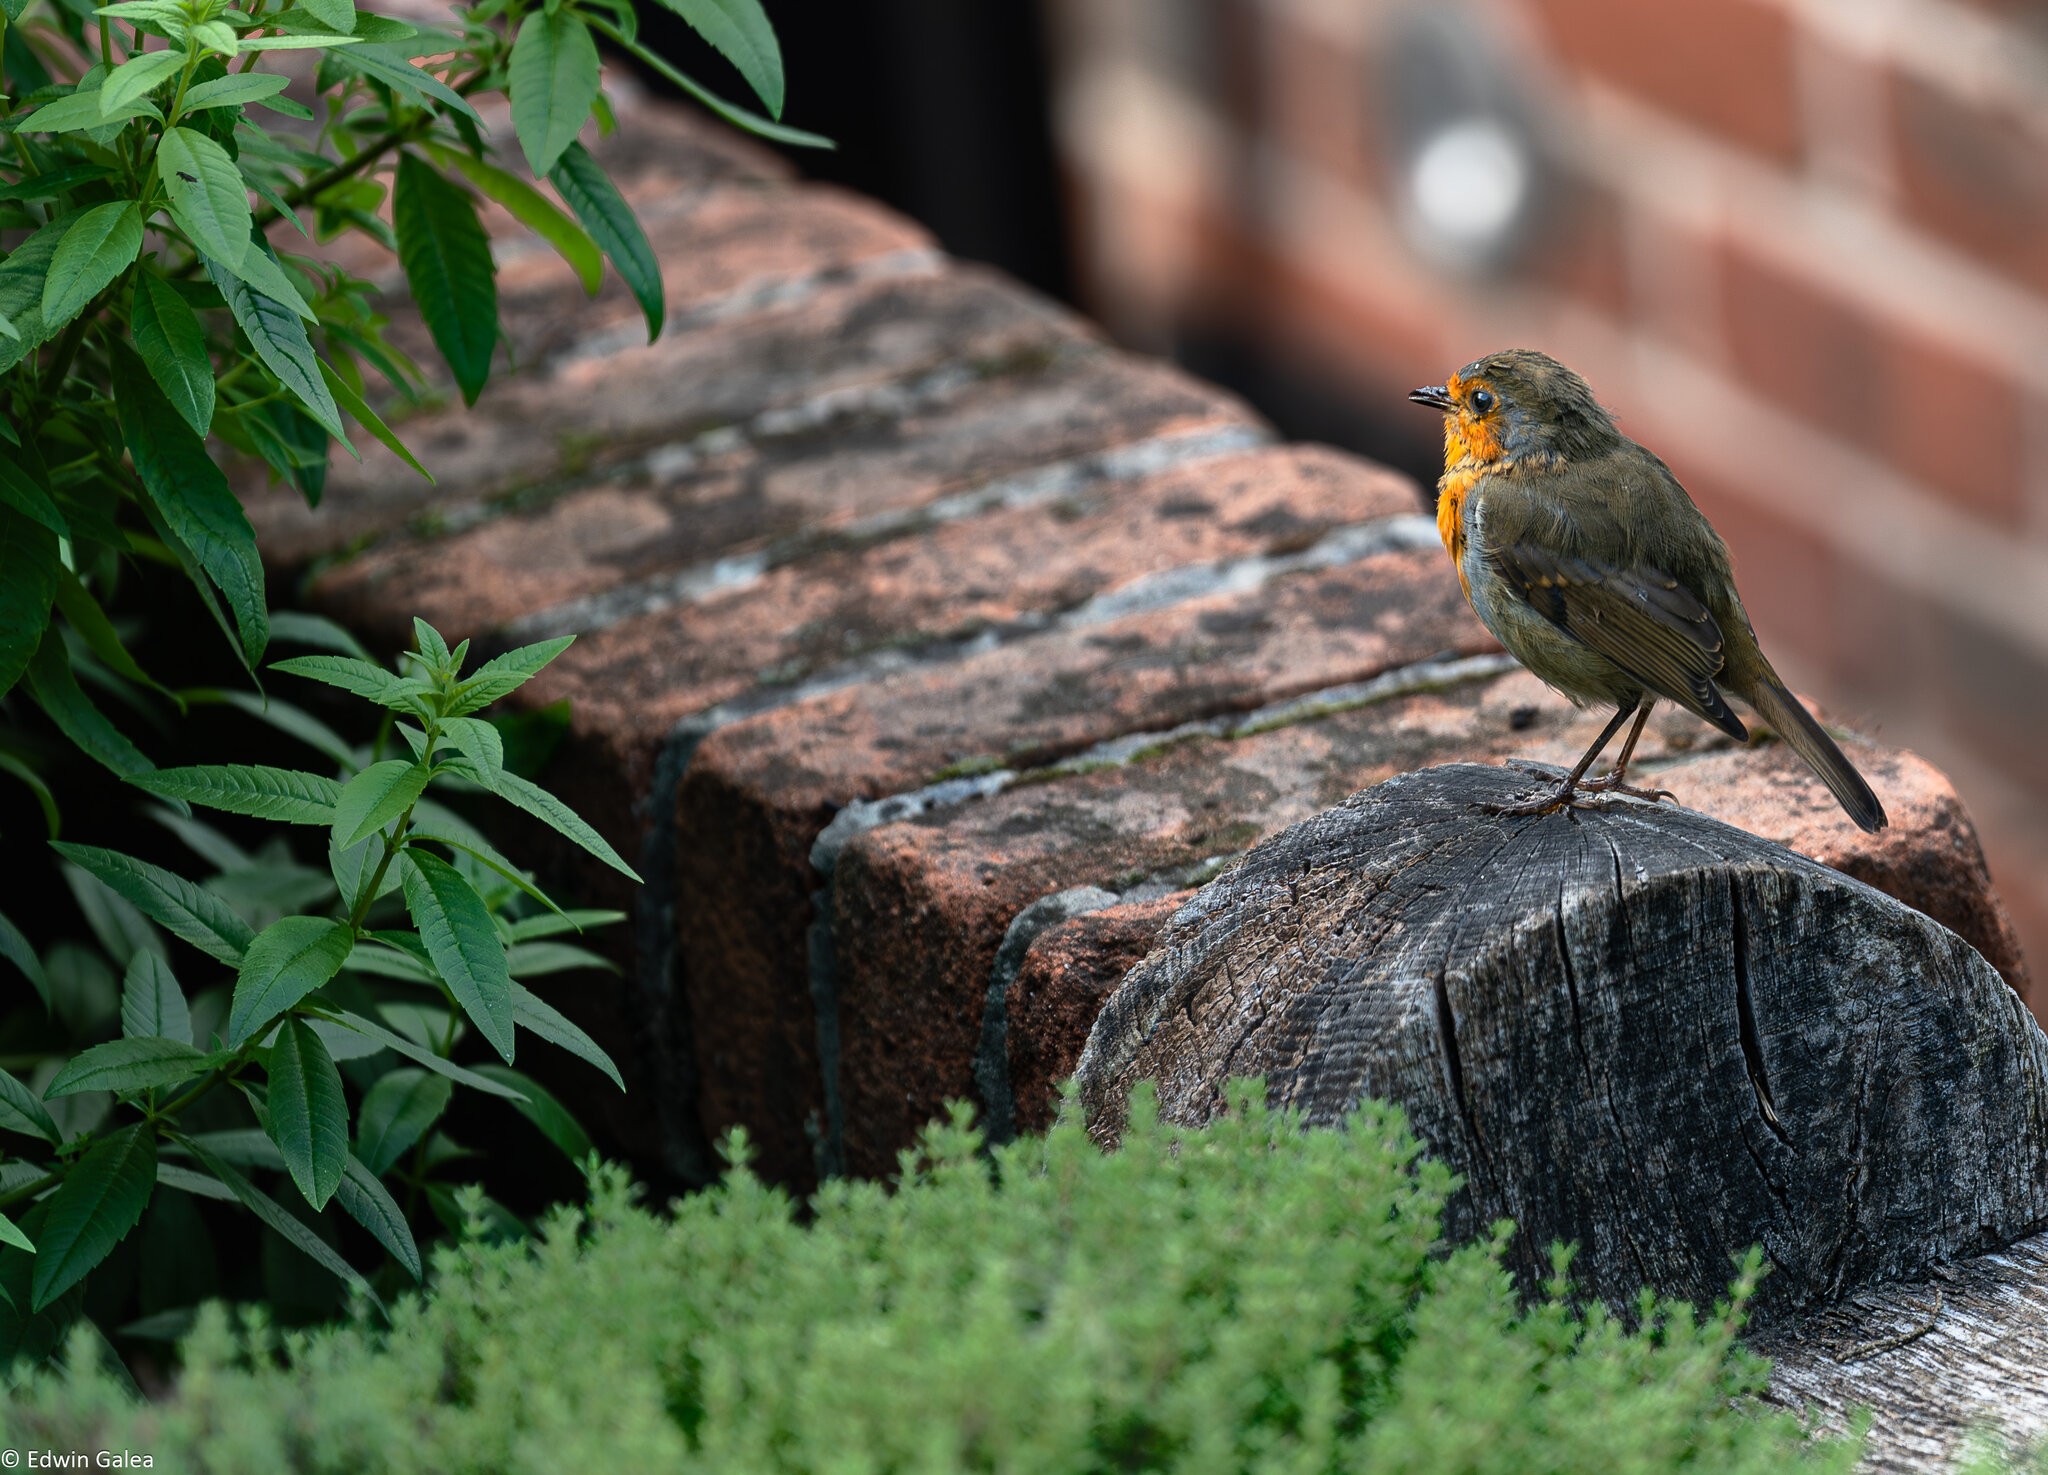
<point x="1581" y="552"/>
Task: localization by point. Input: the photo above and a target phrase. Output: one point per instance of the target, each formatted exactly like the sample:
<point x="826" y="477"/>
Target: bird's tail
<point x="1791" y="721"/>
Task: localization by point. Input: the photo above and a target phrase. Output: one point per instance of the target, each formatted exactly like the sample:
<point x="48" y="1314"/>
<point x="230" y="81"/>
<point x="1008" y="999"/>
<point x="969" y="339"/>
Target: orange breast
<point x="1452" y="490"/>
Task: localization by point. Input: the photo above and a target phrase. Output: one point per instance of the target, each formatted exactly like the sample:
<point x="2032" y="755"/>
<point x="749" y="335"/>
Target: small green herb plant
<point x="417" y="932"/>
<point x="1256" y="1296"/>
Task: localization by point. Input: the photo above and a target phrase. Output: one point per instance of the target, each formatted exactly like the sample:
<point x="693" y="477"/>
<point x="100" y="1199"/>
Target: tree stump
<point x="1629" y="1027"/>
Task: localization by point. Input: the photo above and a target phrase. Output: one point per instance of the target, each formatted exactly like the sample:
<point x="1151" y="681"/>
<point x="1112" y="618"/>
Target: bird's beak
<point x="1435" y="396"/>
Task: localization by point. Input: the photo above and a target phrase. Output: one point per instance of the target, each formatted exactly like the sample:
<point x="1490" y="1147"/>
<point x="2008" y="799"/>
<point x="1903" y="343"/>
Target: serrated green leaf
<point x="82" y="110"/>
<point x="505" y="674"/>
<point x="375" y="797"/>
<point x="358" y="410"/>
<point x="337" y="15"/>
<point x="370" y="1204"/>
<point x="556" y="1122"/>
<point x="22" y="490"/>
<point x="21" y="1110"/>
<point x="413" y="1051"/>
<point x="537" y="213"/>
<point x="286" y="961"/>
<point x="135" y="77"/>
<point x="186" y="910"/>
<point x="558" y="816"/>
<point x="101" y="1198"/>
<point x="527" y="929"/>
<point x="264" y="1207"/>
<point x="596" y="201"/>
<point x="217" y="37"/>
<point x="363" y="678"/>
<point x="279" y="339"/>
<point x="554" y="80"/>
<point x="461" y="938"/>
<point x="15" y="948"/>
<point x="208" y="199"/>
<point x="152" y="1004"/>
<point x="128" y="1065"/>
<point x="21" y="291"/>
<point x="396" y="1113"/>
<point x="188" y="489"/>
<point x="89" y="621"/>
<point x="173" y="345"/>
<point x="55" y="688"/>
<point x="538" y="959"/>
<point x="448" y="264"/>
<point x="754" y="123"/>
<point x="28" y="586"/>
<point x="302" y="41"/>
<point x="740" y="31"/>
<point x="298" y="628"/>
<point x="477" y="741"/>
<point x="308" y="1113"/>
<point x="10" y="1233"/>
<point x="99" y="247"/>
<point x="243" y="788"/>
<point x="170" y="1175"/>
<point x="238" y="89"/>
<point x="264" y="274"/>
<point x="531" y="1012"/>
<point x="391" y="66"/>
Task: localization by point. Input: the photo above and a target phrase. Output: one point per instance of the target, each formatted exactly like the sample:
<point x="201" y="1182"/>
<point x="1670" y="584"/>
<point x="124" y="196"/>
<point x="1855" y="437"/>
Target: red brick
<point x="1726" y="65"/>
<point x="584" y="417"/>
<point x="760" y="791"/>
<point x="632" y="682"/>
<point x="1069" y="971"/>
<point x="630" y="685"/>
<point x="1974" y="174"/>
<point x="1946" y="419"/>
<point x="813" y="485"/>
<point x="921" y="906"/>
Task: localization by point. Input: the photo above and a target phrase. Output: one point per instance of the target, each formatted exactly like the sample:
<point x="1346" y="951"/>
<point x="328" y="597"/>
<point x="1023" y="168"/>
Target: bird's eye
<point x="1482" y="400"/>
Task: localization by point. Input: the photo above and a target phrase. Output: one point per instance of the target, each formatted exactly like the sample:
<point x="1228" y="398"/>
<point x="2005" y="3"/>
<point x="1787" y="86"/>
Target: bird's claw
<point x="1611" y="783"/>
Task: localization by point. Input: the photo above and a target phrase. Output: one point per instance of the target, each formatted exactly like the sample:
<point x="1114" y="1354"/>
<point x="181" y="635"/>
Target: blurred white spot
<point x="1467" y="187"/>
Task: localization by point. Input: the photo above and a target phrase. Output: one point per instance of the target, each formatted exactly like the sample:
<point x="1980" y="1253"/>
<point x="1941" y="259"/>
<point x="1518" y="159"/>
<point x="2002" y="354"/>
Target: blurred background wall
<point x="1800" y="247"/>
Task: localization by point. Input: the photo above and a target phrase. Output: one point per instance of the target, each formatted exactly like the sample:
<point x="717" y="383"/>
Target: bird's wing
<point x="1640" y="618"/>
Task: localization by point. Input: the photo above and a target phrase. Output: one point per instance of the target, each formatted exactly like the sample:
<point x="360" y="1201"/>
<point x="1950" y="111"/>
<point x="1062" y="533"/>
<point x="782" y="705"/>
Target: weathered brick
<point x="601" y="552"/>
<point x="586" y="416"/>
<point x="1726" y="65"/>
<point x="1948" y="419"/>
<point x="1067" y="975"/>
<point x="921" y="906"/>
<point x="760" y="791"/>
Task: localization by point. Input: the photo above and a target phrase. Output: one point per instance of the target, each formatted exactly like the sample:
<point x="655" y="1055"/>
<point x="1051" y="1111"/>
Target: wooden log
<point x="1959" y="1356"/>
<point x="1628" y="1027"/>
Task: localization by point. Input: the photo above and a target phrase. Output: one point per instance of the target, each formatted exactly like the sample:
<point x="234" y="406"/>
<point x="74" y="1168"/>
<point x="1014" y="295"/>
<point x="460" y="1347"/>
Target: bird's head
<point x="1514" y="403"/>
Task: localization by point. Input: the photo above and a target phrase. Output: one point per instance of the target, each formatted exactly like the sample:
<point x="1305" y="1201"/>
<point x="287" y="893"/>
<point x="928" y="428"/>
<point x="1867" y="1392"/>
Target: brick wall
<point x="1798" y="245"/>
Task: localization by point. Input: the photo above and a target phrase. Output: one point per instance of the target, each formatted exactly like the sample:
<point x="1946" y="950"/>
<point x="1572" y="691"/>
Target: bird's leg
<point x="1567" y="791"/>
<point x="1611" y="782"/>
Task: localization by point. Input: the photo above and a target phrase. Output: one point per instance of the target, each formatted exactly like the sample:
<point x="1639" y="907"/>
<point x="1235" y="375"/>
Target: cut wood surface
<point x="1963" y="1354"/>
<point x="1629" y="1027"/>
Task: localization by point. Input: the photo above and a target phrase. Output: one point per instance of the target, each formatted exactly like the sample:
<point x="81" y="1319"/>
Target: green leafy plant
<point x="147" y="301"/>
<point x="1254" y="1296"/>
<point x="173" y="174"/>
<point x="417" y="932"/>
